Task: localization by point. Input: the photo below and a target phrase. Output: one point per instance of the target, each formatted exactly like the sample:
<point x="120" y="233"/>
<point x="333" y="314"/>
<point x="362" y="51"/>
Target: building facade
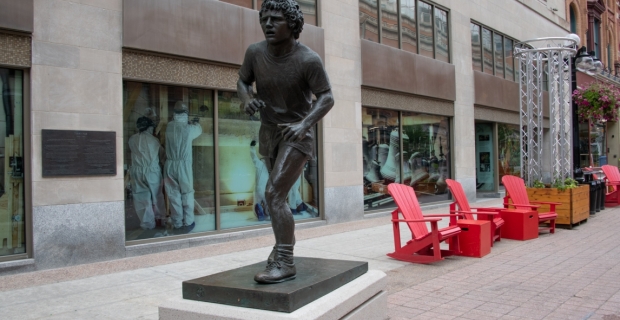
<point x="433" y="79"/>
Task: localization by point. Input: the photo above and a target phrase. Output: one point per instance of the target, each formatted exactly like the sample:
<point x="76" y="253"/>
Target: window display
<point x="426" y="155"/>
<point x="169" y="164"/>
<point x="381" y="145"/>
<point x="243" y="171"/>
<point x="485" y="168"/>
<point x="12" y="227"/>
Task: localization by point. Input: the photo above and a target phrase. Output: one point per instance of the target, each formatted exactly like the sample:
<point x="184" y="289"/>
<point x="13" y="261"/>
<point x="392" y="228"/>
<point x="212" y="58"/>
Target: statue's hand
<point x="253" y="105"/>
<point x="294" y="131"/>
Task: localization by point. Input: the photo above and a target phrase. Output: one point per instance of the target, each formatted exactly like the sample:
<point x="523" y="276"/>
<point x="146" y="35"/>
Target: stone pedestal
<point x="362" y="298"/>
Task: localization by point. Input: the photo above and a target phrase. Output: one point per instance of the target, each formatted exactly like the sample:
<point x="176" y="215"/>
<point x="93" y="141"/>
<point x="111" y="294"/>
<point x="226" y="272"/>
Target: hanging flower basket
<point x="597" y="102"/>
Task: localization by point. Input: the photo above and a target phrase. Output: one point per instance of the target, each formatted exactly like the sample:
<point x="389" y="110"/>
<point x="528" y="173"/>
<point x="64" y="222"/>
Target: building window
<point x="170" y="164"/>
<point x="308" y="7"/>
<point x="424" y="163"/>
<point x="369" y="20"/>
<point x="423" y="27"/>
<point x="12" y="222"/>
<point x="492" y="52"/>
<point x="573" y="20"/>
<point x="597" y="38"/>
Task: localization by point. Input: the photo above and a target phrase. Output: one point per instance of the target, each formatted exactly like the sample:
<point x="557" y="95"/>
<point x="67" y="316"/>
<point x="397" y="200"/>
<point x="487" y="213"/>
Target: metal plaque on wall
<point x="78" y="153"/>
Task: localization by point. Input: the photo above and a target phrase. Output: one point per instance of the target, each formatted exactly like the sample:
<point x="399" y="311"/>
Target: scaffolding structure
<point x="545" y="65"/>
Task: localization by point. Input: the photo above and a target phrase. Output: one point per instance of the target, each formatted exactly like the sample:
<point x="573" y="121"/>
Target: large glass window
<point x="427" y="154"/>
<point x="476" y="47"/>
<point x="485" y="165"/>
<point x="509" y="153"/>
<point x="425" y="18"/>
<point x="408" y="25"/>
<point x="442" y="50"/>
<point x="389" y="23"/>
<point x="499" y="55"/>
<point x="509" y="56"/>
<point x="381" y="145"/>
<point x="423" y="164"/>
<point x="12" y="219"/>
<point x="592" y="144"/>
<point x="487" y="51"/>
<point x="170" y="166"/>
<point x="492" y="52"/>
<point x="369" y="20"/>
<point x="423" y="27"/>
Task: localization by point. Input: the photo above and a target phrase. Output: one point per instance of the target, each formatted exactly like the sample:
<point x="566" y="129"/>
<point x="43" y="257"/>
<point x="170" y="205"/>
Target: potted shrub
<point x="575" y="200"/>
<point x="597" y="102"/>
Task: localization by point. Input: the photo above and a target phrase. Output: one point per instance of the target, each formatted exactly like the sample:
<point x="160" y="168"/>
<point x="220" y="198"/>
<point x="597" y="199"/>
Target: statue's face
<point x="275" y="27"/>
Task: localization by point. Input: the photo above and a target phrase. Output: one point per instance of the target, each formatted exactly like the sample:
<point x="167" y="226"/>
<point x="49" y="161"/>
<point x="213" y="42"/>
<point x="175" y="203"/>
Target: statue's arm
<point x="296" y="131"/>
<point x="245" y="92"/>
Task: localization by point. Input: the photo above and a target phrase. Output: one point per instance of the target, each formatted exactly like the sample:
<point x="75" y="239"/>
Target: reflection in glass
<point x="244" y="175"/>
<point x="476" y="47"/>
<point x="499" y="55"/>
<point x="12" y="219"/>
<point x="408" y="25"/>
<point x="308" y="7"/>
<point x="425" y="16"/>
<point x="508" y="146"/>
<point x="485" y="165"/>
<point x="241" y="3"/>
<point x="426" y="155"/>
<point x="167" y="139"/>
<point x="487" y="51"/>
<point x="381" y="156"/>
<point x="389" y="23"/>
<point x="441" y="36"/>
<point x="369" y="22"/>
<point x="508" y="55"/>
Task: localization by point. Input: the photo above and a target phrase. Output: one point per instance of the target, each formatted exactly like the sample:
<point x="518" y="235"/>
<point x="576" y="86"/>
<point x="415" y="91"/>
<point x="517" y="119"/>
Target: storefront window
<point x="425" y="16"/>
<point x="170" y="164"/>
<point x="509" y="153"/>
<point x="592" y="144"/>
<point x="389" y="23"/>
<point x="426" y="164"/>
<point x="381" y="145"/>
<point x="369" y="22"/>
<point x="408" y="24"/>
<point x="168" y="160"/>
<point x="243" y="171"/>
<point x="12" y="227"/>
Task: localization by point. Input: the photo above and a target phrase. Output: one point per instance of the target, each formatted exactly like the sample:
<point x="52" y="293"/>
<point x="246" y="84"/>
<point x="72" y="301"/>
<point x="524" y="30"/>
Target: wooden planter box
<point x="575" y="202"/>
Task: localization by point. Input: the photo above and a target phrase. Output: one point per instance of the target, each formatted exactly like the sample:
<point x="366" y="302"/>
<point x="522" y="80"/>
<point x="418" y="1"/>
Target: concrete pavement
<point x="574" y="274"/>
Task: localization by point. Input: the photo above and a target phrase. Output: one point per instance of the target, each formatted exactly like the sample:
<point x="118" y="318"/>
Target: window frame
<point x="433" y="6"/>
<point x="504" y="37"/>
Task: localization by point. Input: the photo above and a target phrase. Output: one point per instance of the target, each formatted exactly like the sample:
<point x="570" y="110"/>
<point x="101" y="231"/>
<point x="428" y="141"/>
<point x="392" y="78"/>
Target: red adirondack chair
<point x="424" y="245"/>
<point x="515" y="191"/>
<point x="612" y="177"/>
<point x="461" y="205"/>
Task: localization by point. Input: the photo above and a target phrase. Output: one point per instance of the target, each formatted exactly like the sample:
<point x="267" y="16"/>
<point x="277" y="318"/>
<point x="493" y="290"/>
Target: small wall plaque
<point x="78" y="153"/>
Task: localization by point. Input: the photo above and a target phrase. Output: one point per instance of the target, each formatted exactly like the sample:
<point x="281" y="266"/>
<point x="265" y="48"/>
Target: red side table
<point x="475" y="238"/>
<point x="519" y="224"/>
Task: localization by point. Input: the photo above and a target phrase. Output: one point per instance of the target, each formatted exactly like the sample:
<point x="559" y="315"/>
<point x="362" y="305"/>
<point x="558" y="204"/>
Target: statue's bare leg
<point x="284" y="171"/>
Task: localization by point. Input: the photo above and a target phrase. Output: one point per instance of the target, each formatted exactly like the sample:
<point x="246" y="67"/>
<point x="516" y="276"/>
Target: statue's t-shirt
<point x="286" y="83"/>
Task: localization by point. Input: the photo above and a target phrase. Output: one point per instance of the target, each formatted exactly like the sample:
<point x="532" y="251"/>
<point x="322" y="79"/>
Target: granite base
<point x="363" y="298"/>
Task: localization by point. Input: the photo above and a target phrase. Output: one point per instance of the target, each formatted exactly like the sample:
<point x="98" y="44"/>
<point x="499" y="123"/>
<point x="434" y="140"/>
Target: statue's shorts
<point x="271" y="139"/>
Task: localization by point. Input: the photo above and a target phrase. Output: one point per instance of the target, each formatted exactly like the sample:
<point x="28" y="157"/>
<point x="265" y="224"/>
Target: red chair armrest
<point x="444" y="215"/>
<point x="612" y="183"/>
<point x="417" y="220"/>
<point x="490" y="209"/>
<point x="479" y="212"/>
<point x="544" y="202"/>
<point x="522" y="205"/>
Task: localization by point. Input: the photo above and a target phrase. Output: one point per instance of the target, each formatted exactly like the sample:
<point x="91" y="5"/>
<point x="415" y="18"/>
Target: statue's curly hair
<point x="291" y="11"/>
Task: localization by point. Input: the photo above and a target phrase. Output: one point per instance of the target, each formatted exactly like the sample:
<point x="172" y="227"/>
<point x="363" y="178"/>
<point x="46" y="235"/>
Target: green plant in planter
<point x="563" y="185"/>
<point x="538" y="184"/>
